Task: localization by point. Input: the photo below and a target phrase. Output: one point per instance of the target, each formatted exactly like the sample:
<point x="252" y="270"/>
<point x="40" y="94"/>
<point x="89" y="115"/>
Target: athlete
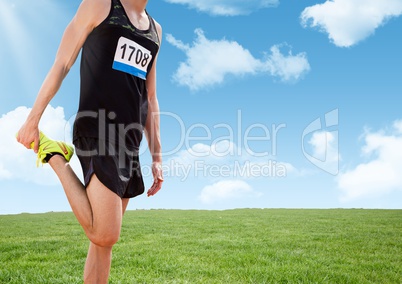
<point x="119" y="43"/>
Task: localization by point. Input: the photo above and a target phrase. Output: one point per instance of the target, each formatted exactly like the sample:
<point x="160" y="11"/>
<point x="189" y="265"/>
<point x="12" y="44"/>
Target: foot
<point x="48" y="148"/>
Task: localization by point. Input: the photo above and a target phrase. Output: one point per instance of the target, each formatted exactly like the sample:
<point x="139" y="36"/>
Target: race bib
<point x="132" y="58"/>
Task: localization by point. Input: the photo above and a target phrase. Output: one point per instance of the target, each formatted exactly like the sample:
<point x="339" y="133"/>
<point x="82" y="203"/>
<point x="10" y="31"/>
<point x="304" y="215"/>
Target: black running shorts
<point x="116" y="166"/>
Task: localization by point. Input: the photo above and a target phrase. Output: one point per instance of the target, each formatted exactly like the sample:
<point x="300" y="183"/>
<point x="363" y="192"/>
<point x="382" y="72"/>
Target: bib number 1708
<point x="140" y="58"/>
<point x="132" y="58"/>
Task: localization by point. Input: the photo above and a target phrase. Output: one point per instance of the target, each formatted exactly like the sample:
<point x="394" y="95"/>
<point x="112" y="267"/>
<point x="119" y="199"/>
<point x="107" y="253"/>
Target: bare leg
<point x="99" y="211"/>
<point x="124" y="202"/>
<point x="98" y="263"/>
<point x="75" y="192"/>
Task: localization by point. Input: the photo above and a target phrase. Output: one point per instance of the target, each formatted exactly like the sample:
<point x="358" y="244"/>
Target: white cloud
<point x="380" y="175"/>
<point x="398" y="126"/>
<point x="226" y="190"/>
<point x="224" y="159"/>
<point x="213" y="152"/>
<point x="227" y="7"/>
<point x="348" y="22"/>
<point x="323" y="151"/>
<point x="202" y="161"/>
<point x="287" y="67"/>
<point x="325" y="146"/>
<point x="19" y="163"/>
<point x="209" y="62"/>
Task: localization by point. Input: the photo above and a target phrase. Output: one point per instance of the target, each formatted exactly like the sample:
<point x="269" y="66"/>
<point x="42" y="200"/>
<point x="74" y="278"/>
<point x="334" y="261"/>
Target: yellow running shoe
<point x="49" y="148"/>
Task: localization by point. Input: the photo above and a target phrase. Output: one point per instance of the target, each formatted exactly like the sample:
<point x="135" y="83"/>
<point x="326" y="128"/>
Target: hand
<point x="29" y="136"/>
<point x="158" y="179"/>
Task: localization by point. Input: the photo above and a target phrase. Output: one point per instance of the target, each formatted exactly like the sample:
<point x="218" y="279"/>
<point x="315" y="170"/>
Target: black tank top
<point x="115" y="61"/>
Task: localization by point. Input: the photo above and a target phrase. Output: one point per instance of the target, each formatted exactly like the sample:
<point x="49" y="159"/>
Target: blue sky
<point x="265" y="104"/>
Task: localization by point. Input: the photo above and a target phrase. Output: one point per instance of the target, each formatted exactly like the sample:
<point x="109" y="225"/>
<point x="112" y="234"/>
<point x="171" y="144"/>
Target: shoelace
<point x="40" y="158"/>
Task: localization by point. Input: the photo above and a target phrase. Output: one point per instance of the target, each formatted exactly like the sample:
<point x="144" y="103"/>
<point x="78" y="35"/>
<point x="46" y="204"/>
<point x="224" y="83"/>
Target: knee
<point x="108" y="239"/>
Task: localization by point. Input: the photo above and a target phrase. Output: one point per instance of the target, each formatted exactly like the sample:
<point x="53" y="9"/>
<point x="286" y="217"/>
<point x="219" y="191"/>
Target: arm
<point x="88" y="15"/>
<point x="152" y="127"/>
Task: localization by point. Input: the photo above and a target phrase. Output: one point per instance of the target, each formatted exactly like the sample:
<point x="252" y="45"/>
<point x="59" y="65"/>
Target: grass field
<point x="233" y="246"/>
